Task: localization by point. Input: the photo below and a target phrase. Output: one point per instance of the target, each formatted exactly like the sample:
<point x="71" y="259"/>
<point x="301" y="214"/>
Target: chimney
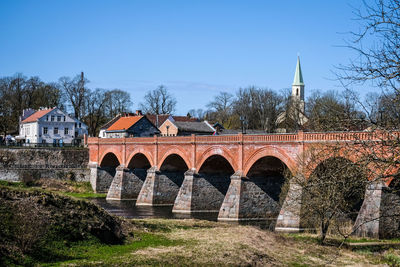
<point x="139" y="112"/>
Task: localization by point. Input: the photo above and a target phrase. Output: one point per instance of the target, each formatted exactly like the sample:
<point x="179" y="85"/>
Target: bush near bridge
<point x="33" y="221"/>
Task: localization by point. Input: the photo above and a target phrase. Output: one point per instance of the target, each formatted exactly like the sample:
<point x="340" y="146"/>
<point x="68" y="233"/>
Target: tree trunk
<point x="324" y="230"/>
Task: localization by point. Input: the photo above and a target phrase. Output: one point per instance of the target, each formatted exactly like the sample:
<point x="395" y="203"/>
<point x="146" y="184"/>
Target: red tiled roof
<point x="124" y="123"/>
<point x="37" y="115"/>
<point x="110" y="122"/>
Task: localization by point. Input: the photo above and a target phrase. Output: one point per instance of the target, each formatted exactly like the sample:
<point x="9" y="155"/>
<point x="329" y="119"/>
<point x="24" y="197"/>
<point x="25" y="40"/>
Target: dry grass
<point x="218" y="244"/>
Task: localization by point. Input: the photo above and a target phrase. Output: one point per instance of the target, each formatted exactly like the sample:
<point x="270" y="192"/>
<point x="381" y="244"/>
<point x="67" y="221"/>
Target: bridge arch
<point x="110" y="159"/>
<point x="217" y="150"/>
<point x="106" y="155"/>
<point x="137" y="153"/>
<point x="175" y="150"/>
<point x="106" y="171"/>
<point x="173" y="163"/>
<point x="270" y="152"/>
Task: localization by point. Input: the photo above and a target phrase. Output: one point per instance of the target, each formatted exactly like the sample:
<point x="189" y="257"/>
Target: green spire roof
<point x="298" y="76"/>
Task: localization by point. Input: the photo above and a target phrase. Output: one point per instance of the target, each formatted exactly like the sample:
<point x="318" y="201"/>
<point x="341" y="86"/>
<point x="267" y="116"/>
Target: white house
<point x="50" y="126"/>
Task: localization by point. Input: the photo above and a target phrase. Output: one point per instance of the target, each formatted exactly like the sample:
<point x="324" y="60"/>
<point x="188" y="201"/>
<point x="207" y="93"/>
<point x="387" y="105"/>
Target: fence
<point x="40" y="145"/>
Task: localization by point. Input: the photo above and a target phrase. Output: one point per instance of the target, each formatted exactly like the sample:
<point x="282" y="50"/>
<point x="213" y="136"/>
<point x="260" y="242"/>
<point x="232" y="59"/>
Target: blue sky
<point x="195" y="48"/>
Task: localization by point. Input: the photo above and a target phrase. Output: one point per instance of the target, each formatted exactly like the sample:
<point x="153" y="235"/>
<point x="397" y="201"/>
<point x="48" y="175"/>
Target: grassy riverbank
<point x="77" y="233"/>
<point x="80" y="190"/>
<point x="159" y="242"/>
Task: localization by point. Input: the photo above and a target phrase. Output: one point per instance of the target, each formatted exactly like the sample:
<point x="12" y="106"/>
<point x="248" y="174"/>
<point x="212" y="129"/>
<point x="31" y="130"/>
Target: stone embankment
<point x="17" y="164"/>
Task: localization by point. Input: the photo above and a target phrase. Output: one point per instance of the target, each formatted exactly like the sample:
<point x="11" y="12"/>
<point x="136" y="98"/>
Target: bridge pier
<point x="248" y="200"/>
<point x="101" y="177"/>
<point x="160" y="188"/>
<point x="126" y="183"/>
<point x="93" y="175"/>
<point x="368" y="219"/>
<point x="183" y="201"/>
<point x="289" y="215"/>
<point x="201" y="193"/>
<point x="230" y="207"/>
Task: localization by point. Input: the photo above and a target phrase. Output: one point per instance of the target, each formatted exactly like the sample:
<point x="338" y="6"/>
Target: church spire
<point x="298" y="84"/>
<point x="298" y="76"/>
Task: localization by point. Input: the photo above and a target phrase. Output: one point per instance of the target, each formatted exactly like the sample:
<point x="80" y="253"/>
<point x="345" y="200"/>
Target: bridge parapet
<point x="264" y="138"/>
<point x="352" y="136"/>
<point x="271" y="138"/>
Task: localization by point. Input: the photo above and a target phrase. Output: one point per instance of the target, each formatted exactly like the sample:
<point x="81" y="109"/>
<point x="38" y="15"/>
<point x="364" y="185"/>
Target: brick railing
<point x="265" y="138"/>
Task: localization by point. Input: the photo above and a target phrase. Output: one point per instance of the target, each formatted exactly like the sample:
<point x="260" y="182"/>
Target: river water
<point x="127" y="209"/>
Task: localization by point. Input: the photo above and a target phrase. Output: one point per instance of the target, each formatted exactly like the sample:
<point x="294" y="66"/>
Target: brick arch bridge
<point x="238" y="176"/>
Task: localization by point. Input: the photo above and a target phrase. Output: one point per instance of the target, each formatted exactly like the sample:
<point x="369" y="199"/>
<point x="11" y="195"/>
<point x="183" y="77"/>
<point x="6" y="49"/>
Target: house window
<point x="52" y="117"/>
<point x="64" y="118"/>
<point x="56" y="130"/>
<point x="76" y="125"/>
<point x="58" y="118"/>
<point x="297" y="91"/>
<point x="45" y="130"/>
<point x="47" y="118"/>
<point x="65" y="131"/>
<point x="80" y="125"/>
<point x="43" y="141"/>
<point x="28" y="131"/>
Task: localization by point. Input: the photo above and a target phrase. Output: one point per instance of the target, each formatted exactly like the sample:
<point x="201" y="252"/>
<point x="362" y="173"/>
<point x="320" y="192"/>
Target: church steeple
<point x="298" y="76"/>
<point x="298" y="83"/>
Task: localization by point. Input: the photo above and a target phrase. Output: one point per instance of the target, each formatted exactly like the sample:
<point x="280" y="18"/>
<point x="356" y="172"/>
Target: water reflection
<point x="127" y="209"/>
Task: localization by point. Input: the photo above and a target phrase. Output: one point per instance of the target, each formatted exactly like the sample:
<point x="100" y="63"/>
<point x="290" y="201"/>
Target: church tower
<point x="294" y="117"/>
<point x="298" y="86"/>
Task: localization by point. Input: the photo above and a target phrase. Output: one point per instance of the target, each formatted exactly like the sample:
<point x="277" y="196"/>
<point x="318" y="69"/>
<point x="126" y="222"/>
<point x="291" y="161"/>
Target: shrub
<point x="29" y="177"/>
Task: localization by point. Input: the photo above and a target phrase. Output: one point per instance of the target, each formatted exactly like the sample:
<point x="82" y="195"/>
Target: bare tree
<point x="332" y="111"/>
<point x="117" y="101"/>
<point x="18" y="93"/>
<point x="334" y="190"/>
<point x="260" y="107"/>
<point x="76" y="92"/>
<point x="377" y="46"/>
<point x="95" y="110"/>
<point x="197" y="113"/>
<point x="221" y="107"/>
<point x="377" y="64"/>
<point x="158" y="101"/>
